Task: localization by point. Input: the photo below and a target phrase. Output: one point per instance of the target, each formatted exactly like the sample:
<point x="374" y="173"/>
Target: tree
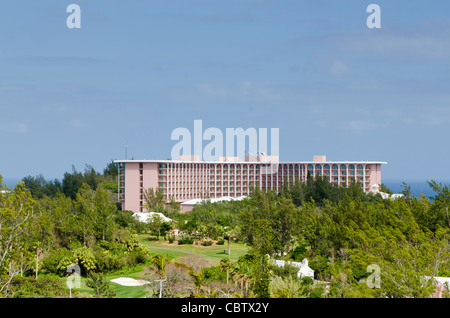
<point x="154" y="200"/>
<point x="85" y="213"/>
<point x="156" y="223"/>
<point x="285" y="215"/>
<point x="16" y="208"/>
<point x="159" y="263"/>
<point x="72" y="183"/>
<point x="104" y="210"/>
<point x="111" y="170"/>
<point x="173" y="208"/>
<point x="262" y="247"/>
<point x="442" y="200"/>
<point x="229" y="233"/>
<point x="100" y="285"/>
<point x="199" y="278"/>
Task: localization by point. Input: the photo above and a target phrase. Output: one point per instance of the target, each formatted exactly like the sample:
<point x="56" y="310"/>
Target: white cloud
<point x="339" y="68"/>
<point x="76" y="123"/>
<point x="425" y="45"/>
<point x="15" y="127"/>
<point x="358" y="126"/>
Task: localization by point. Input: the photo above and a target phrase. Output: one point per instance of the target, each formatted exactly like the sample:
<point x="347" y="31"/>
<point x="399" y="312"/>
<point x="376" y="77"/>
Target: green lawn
<point x="173" y="250"/>
<point x="121" y="291"/>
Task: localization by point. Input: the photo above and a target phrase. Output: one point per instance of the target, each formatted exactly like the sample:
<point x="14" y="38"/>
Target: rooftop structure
<point x="188" y="178"/>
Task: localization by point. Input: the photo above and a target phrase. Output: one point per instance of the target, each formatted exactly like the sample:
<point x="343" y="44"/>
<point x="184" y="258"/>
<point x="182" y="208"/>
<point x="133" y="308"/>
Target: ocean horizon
<point x="418" y="187"/>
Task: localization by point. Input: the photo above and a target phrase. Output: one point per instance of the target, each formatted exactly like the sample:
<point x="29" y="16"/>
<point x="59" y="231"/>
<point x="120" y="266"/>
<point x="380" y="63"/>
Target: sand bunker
<point x="126" y="281"/>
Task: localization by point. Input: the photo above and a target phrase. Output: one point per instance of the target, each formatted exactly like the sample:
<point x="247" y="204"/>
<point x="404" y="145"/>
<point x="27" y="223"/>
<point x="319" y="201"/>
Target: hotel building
<point x="188" y="178"/>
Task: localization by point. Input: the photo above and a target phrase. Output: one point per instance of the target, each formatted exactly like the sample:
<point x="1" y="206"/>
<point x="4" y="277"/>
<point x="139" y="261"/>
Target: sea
<point x="11" y="182"/>
<point x="417" y="187"/>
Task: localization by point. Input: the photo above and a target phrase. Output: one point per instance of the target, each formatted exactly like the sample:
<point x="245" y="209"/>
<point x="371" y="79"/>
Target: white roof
<point x="144" y="216"/>
<point x="252" y="162"/>
<point x="391" y="196"/>
<point x="304" y="269"/>
<point x="213" y="200"/>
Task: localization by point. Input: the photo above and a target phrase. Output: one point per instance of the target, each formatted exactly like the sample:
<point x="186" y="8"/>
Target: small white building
<point x="303" y="269"/>
<point x="146" y="216"/>
<point x="384" y="195"/>
<point x="189" y="205"/>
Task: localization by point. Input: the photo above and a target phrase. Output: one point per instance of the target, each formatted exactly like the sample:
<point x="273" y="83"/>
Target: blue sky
<point x="136" y="70"/>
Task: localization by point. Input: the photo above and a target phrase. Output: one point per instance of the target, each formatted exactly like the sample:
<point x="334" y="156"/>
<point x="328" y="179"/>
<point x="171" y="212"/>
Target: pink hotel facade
<point x="187" y="178"/>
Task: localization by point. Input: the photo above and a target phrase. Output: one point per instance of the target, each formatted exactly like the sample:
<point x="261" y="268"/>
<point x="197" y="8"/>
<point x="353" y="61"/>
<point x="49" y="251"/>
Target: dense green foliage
<point x="47" y="232"/>
<point x="347" y="235"/>
<point x="341" y="231"/>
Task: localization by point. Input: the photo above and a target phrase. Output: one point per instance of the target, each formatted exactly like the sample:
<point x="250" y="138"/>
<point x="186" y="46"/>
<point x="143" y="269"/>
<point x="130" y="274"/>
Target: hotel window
<point x="318" y="166"/>
<point x="335" y="167"/>
<point x="360" y="167"/>
<point x="343" y="167"/>
<point x="335" y="179"/>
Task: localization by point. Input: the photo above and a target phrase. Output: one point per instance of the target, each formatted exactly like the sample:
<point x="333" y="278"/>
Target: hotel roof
<point x="248" y="162"/>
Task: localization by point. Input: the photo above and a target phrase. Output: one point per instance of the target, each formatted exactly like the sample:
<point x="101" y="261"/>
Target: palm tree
<point x="242" y="275"/>
<point x="198" y="281"/>
<point x="159" y="263"/>
<point x="229" y="233"/>
<point x="225" y="266"/>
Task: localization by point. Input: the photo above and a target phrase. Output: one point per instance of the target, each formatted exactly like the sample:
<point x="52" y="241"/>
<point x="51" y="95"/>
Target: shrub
<point x="215" y="273"/>
<point x="207" y="243"/>
<point x="100" y="285"/>
<point x="299" y="253"/>
<point x="51" y="261"/>
<point x="315" y="294"/>
<point x="185" y="241"/>
<point x="107" y="262"/>
<point x="220" y="242"/>
<point x="44" y="286"/>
